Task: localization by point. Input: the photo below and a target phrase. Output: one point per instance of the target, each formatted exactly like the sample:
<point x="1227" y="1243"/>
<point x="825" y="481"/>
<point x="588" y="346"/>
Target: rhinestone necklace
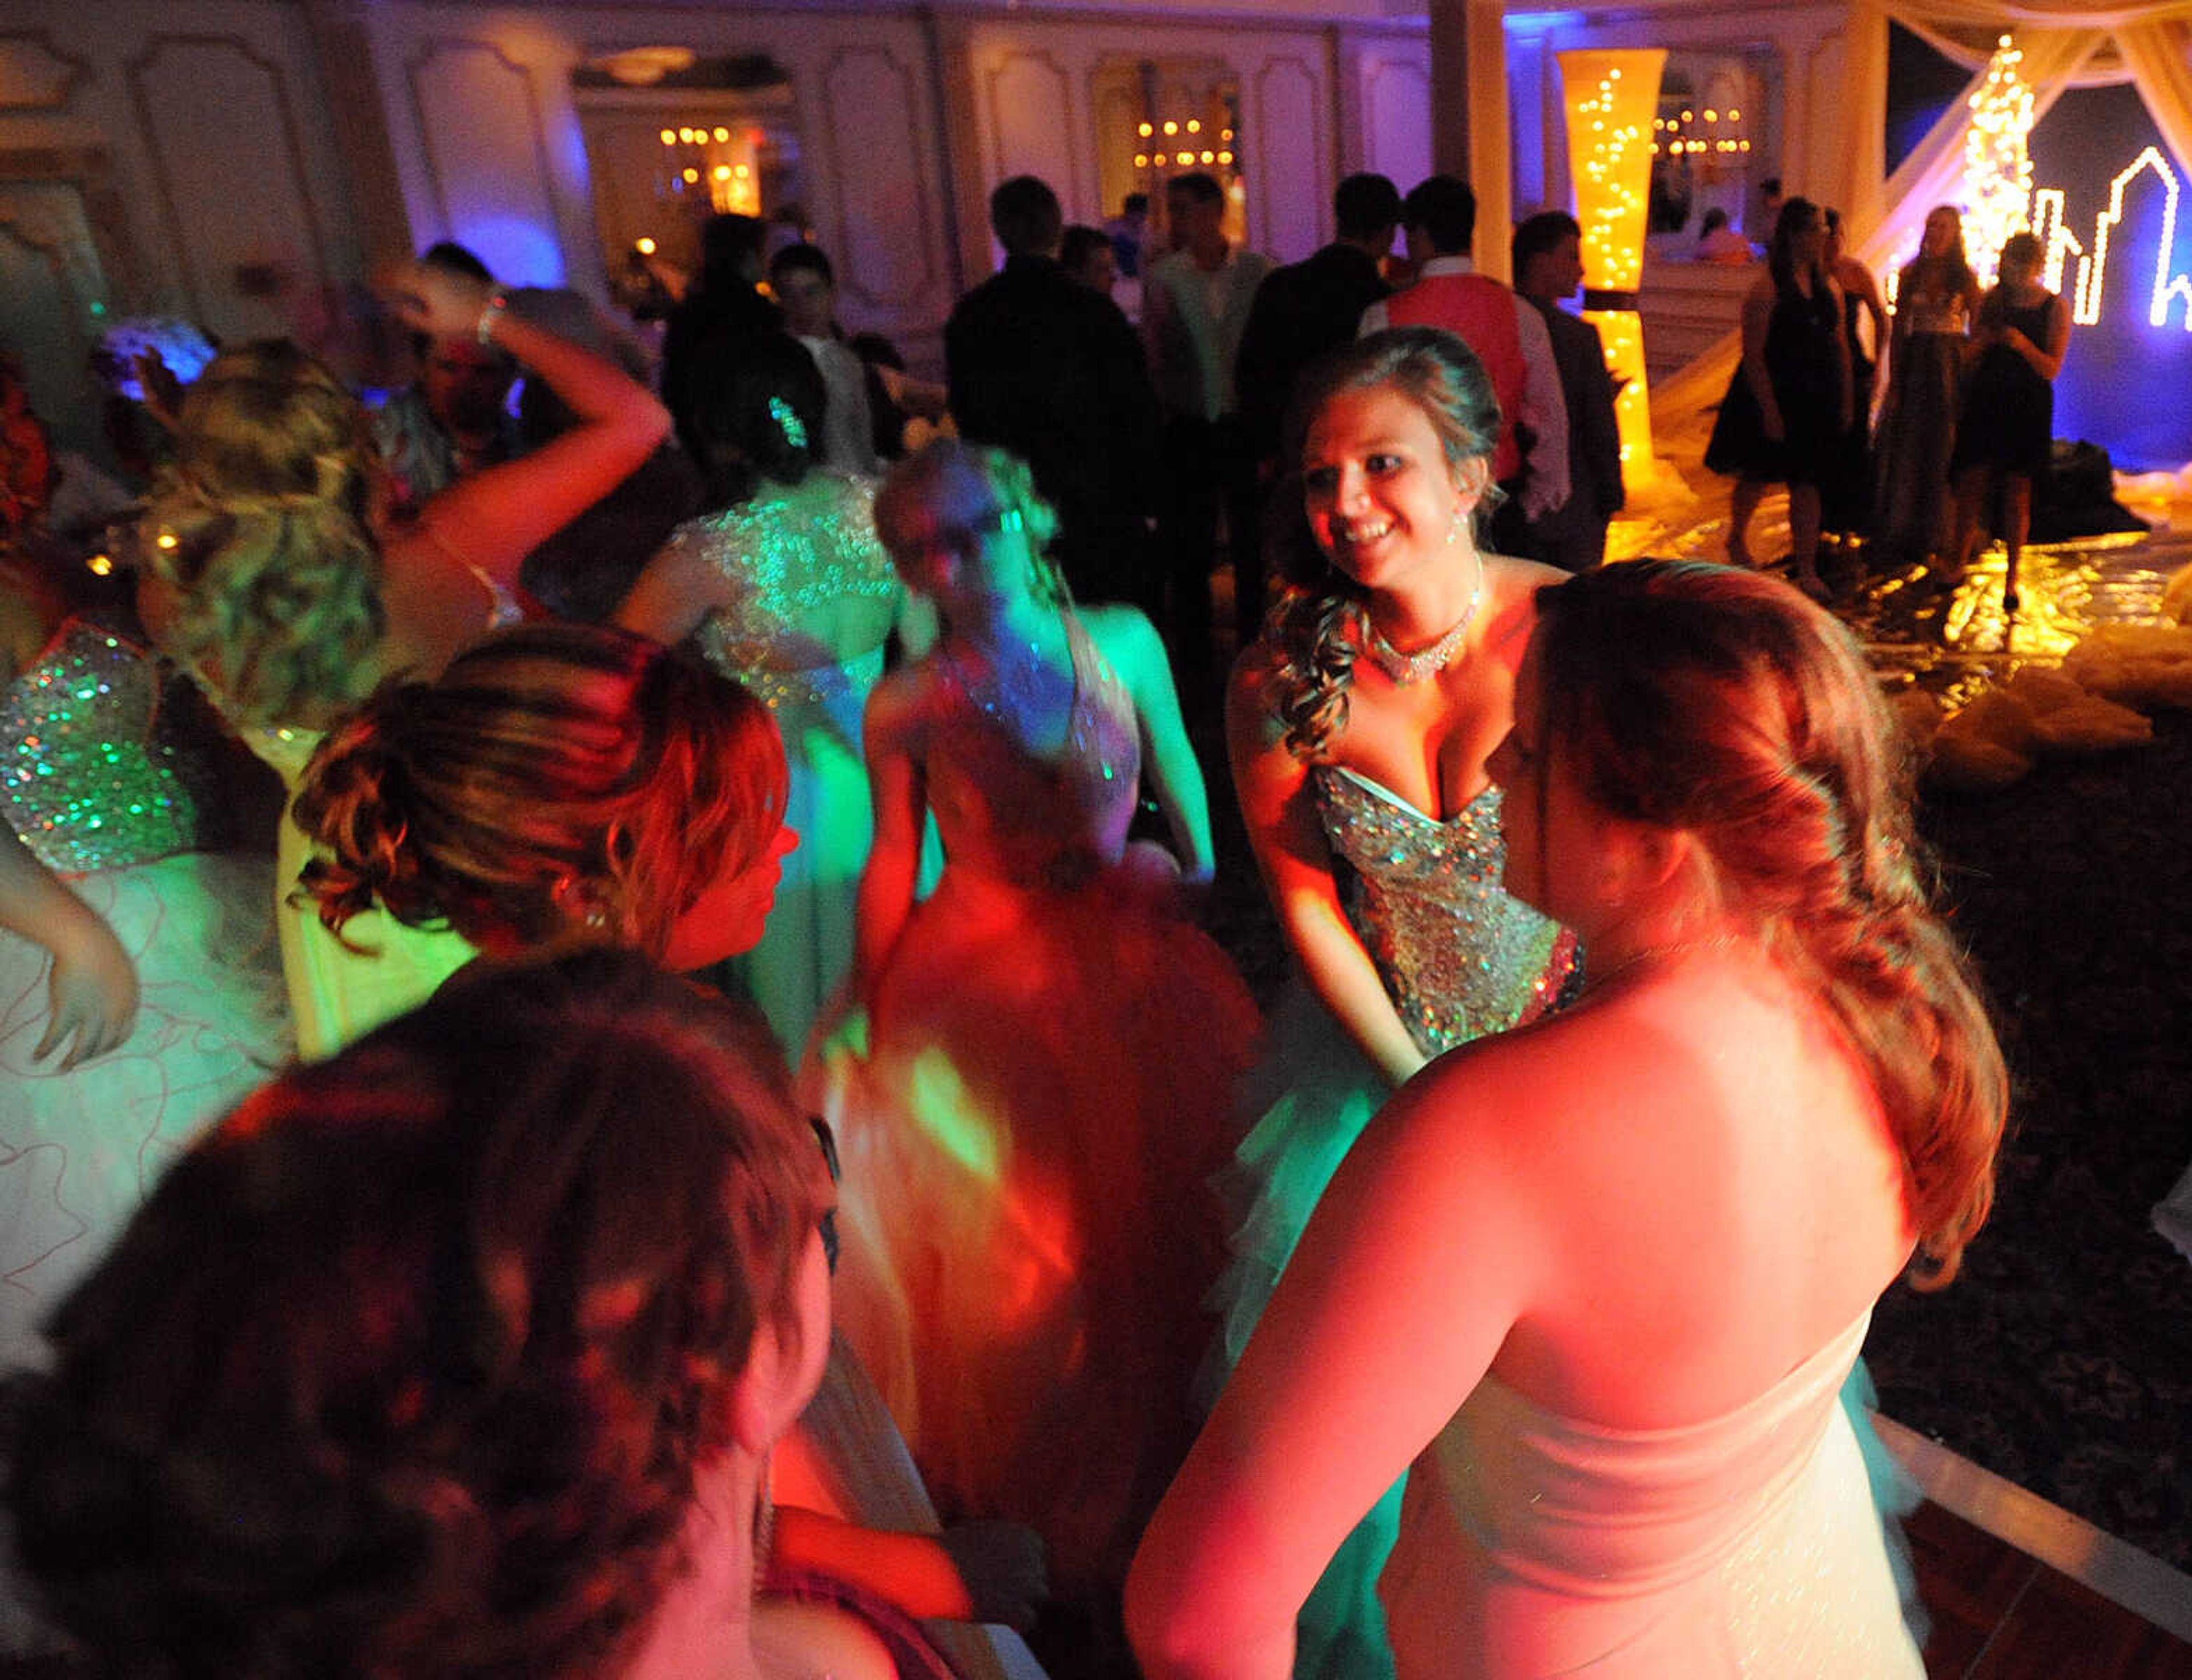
<point x="1407" y="670"/>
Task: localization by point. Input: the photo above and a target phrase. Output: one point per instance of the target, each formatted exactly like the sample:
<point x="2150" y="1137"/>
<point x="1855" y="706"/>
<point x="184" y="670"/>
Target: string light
<point x="1997" y="166"/>
<point x="1611" y="123"/>
<point x="644" y="246"/>
<point x="2059" y="243"/>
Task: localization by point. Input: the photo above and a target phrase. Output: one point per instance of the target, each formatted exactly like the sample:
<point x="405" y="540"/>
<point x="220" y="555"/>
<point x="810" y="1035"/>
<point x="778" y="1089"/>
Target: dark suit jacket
<point x="1594" y="440"/>
<point x="1041" y="365"/>
<point x="1301" y="311"/>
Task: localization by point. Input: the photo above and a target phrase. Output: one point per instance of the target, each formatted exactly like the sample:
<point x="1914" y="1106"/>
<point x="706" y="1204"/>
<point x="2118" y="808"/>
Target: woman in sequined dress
<point x="151" y="958"/>
<point x="786" y="588"/>
<point x="277" y="578"/>
<point x="1051" y="1049"/>
<point x="1360" y="772"/>
<point x="1597" y="1283"/>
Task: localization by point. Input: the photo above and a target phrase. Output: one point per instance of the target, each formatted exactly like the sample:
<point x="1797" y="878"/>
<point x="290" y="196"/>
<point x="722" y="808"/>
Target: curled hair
<point x="1318" y="622"/>
<point x="754" y="407"/>
<point x="1723" y="703"/>
<point x="914" y="482"/>
<point x="410" y="1365"/>
<point x="555" y="776"/>
<point x="260" y="527"/>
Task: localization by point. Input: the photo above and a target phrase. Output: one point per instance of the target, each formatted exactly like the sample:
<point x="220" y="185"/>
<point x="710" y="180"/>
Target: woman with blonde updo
<point x="1595" y="1284"/>
<point x="277" y="577"/>
<point x="1359" y="727"/>
<point x="558" y="783"/>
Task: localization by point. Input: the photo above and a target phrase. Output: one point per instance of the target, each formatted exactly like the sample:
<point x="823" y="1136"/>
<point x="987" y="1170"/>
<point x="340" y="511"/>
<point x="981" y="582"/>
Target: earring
<point x="1453" y="525"/>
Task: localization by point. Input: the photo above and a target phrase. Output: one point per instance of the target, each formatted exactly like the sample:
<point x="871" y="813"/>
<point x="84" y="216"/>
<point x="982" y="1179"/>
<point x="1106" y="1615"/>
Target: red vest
<point x="1481" y="313"/>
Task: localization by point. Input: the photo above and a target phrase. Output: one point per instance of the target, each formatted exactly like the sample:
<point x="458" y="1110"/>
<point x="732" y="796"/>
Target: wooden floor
<point x="2000" y="1615"/>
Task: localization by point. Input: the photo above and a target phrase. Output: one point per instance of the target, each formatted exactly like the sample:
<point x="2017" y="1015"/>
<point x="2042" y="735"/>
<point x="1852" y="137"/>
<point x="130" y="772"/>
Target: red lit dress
<point x="1051" y="1065"/>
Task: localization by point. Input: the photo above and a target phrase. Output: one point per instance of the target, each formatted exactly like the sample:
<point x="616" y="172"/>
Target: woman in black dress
<point x="1846" y="498"/>
<point x="2008" y="423"/>
<point x="1788" y="405"/>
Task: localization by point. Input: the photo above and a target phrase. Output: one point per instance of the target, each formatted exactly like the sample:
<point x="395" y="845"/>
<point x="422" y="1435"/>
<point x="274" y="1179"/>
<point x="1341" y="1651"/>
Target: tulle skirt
<point x="79" y="1151"/>
<point x="1029" y="1232"/>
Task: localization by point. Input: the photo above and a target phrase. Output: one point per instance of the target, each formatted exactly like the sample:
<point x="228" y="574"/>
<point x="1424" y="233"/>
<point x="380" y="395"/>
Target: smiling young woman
<point x="1358" y="728"/>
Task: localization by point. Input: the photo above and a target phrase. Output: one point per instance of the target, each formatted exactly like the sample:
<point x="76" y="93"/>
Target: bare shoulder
<point x="903" y="700"/>
<point x="1122" y="633"/>
<point x="1511" y="602"/>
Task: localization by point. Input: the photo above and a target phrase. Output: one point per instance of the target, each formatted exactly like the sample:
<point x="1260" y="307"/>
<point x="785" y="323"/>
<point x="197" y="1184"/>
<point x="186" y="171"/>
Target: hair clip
<point x="787" y="421"/>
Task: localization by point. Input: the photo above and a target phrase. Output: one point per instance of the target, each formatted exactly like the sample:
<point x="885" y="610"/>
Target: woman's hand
<point x="434" y="301"/>
<point x="92" y="991"/>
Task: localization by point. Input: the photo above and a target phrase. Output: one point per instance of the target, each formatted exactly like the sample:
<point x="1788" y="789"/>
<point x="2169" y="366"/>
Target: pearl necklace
<point x="1406" y="670"/>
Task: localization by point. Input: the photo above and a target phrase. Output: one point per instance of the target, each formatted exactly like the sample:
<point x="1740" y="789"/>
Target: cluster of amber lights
<point x="1612" y="200"/>
<point x="1183" y="144"/>
<point x="729" y="181"/>
<point x="1718" y="137"/>
<point x="1997" y="168"/>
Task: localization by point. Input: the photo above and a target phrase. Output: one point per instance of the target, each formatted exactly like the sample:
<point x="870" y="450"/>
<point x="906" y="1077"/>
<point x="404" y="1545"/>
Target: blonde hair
<point x="259" y="525"/>
<point x="556" y="777"/>
<point x="914" y="481"/>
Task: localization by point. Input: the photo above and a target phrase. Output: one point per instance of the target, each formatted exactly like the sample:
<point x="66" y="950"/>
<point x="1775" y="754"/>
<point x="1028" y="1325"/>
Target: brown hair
<point x="259" y="525"/>
<point x="410" y="1367"/>
<point x="555" y="777"/>
<point x="1723" y="703"/>
<point x="1314" y="627"/>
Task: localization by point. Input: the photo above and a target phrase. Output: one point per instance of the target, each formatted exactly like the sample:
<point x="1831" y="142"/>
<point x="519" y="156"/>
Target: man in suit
<point x="1194" y="306"/>
<point x="1308" y="307"/>
<point x="1041" y="365"/>
<point x="1548" y="253"/>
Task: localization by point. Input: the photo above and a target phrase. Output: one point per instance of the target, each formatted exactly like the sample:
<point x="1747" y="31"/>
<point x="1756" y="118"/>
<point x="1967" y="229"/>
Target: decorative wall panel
<point x="1292" y="188"/>
<point x="1033" y="128"/>
<point x="875" y="128"/>
<point x="1396" y="118"/>
<point x="482" y="127"/>
<point x="220" y="130"/>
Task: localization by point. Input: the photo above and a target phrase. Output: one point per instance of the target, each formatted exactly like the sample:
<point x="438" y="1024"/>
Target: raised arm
<point x="1279" y="808"/>
<point x="896" y="787"/>
<point x="1415" y="1268"/>
<point x="92" y="987"/>
<point x="494" y="519"/>
<point x="1131" y="644"/>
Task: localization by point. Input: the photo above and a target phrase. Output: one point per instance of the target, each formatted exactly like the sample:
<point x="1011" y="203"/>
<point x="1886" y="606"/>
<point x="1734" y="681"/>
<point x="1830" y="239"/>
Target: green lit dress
<point x="789" y="553"/>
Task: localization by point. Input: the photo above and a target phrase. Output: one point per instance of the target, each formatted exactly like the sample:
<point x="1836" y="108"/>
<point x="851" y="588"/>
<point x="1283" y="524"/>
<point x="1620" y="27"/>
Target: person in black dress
<point x="2008" y="423"/>
<point x="1788" y="405"/>
<point x="1846" y="496"/>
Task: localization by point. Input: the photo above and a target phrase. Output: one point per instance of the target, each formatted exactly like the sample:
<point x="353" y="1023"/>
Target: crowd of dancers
<point x="1965" y="416"/>
<point x="419" y="1238"/>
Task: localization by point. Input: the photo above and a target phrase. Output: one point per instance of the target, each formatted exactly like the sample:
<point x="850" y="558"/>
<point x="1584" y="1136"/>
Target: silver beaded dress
<point x="792" y="552"/>
<point x="1460" y="958"/>
<point x="89" y="785"/>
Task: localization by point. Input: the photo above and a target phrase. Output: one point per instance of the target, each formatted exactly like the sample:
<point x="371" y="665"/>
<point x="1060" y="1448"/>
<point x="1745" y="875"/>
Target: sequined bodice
<point x="788" y="552"/>
<point x="86" y="783"/>
<point x="1460" y="958"/>
<point x="1004" y="813"/>
<point x="1928" y="312"/>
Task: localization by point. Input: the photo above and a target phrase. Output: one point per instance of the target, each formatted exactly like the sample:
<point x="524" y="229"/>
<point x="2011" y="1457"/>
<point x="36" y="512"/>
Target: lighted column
<point x="1611" y="98"/>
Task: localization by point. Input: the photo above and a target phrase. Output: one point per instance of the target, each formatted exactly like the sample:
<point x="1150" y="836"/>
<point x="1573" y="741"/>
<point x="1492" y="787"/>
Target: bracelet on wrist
<point x="490" y="312"/>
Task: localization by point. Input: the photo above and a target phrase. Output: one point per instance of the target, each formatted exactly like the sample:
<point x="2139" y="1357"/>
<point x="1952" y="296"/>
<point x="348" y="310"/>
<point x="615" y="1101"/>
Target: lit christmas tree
<point x="1997" y="168"/>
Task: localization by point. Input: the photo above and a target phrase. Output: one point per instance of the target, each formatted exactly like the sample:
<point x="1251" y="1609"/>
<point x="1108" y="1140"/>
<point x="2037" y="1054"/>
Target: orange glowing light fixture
<point x="1611" y="97"/>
